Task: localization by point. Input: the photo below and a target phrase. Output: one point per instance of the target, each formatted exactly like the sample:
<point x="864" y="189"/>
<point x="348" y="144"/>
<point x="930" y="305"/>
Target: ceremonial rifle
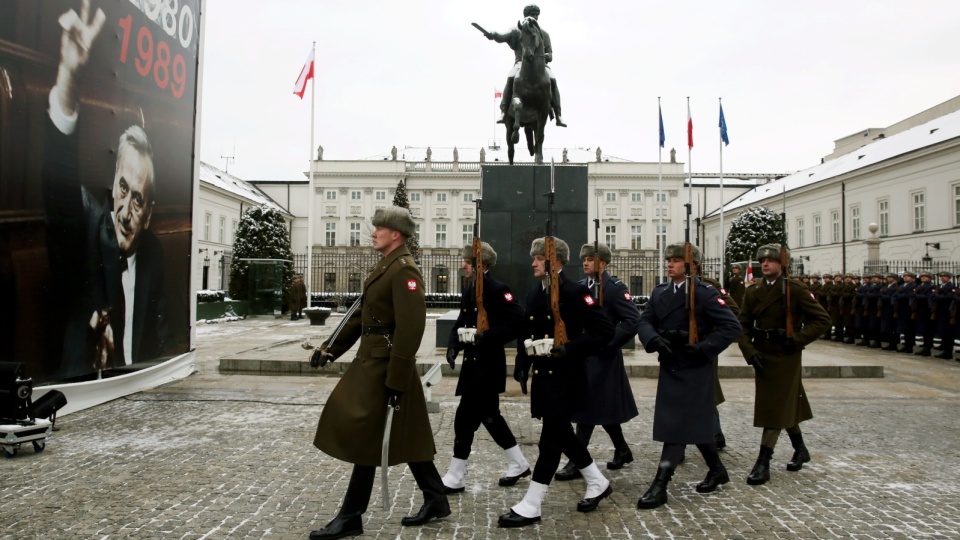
<point x="553" y="273"/>
<point x="482" y="323"/>
<point x="596" y="254"/>
<point x="785" y="264"/>
<point x="690" y="299"/>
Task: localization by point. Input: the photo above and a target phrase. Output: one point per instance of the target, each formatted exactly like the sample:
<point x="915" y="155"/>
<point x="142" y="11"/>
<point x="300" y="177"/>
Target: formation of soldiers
<point x="908" y="313"/>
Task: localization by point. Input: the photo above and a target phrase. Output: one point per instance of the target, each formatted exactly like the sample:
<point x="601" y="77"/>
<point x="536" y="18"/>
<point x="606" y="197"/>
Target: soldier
<point x="384" y="374"/>
<point x="923" y="315"/>
<point x="735" y="285"/>
<point x="860" y="313"/>
<point x="774" y="349"/>
<point x="871" y="308"/>
<point x="609" y="398"/>
<point x="846" y="310"/>
<point x="888" y="313"/>
<point x="906" y="325"/>
<point x="834" y="302"/>
<point x="825" y="298"/>
<point x="815" y="286"/>
<point x="559" y="386"/>
<point x="484" y="370"/>
<point x="297" y="298"/>
<point x="942" y="300"/>
<point x="685" y="388"/>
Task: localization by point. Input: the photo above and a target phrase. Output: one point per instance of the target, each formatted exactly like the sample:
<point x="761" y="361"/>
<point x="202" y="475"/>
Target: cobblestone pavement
<point x="230" y="456"/>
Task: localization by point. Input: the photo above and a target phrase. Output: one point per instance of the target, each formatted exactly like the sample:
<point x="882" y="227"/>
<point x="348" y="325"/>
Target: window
<point x="468" y="196"/>
<point x="611" y="196"/>
<point x="956" y="204"/>
<point x="354" y="234"/>
<point x="883" y="212"/>
<point x="611" y="236"/>
<point x="835" y="225"/>
<point x="380" y="196"/>
<point x="661" y="236"/>
<point x="441" y="196"/>
<point x="635" y="234"/>
<point x="331" y="237"/>
<point x="441" y="235"/>
<point x="918" y="211"/>
<point x="855" y="222"/>
<point x="234" y="229"/>
<point x="800" y="239"/>
<point x="414" y="197"/>
<point x="223" y="229"/>
<point x="329" y="281"/>
<point x="354" y="195"/>
<point x="331" y="195"/>
<point x="635" y="196"/>
<point x="207" y="218"/>
<point x="816" y="230"/>
<point x="467" y="234"/>
<point x="661" y="197"/>
<point x="416" y="232"/>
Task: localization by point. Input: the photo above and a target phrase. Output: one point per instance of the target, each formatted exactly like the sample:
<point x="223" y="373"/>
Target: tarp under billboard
<point x="98" y="104"/>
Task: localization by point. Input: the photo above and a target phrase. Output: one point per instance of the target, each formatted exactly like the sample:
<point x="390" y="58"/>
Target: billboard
<point x="98" y="102"/>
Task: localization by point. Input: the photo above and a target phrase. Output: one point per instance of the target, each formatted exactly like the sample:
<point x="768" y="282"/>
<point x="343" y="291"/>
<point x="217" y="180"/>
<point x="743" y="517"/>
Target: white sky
<point x="793" y="76"/>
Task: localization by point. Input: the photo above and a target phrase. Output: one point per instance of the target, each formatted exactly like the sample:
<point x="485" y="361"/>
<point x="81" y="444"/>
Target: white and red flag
<point x="305" y="75"/>
<point x="689" y="126"/>
<point x="749" y="271"/>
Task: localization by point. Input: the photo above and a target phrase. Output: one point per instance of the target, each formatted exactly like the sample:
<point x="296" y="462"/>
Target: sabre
<point x="385" y="452"/>
<point x="480" y="28"/>
<point x="319" y="359"/>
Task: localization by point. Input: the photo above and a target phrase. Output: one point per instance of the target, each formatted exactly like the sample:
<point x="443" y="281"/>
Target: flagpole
<point x="311" y="196"/>
<point x="723" y="269"/>
<point x="660" y="194"/>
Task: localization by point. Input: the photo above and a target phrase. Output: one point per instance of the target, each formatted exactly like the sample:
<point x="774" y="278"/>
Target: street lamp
<point x="206" y="266"/>
<point x="927" y="259"/>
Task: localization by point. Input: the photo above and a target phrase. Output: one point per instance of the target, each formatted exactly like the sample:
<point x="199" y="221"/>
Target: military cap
<point x="945" y="274"/>
<point x="848" y="276"/>
<point x="538" y="247"/>
<point x="770" y="251"/>
<point x="892" y="275"/>
<point x="909" y="273"/>
<point x="587" y="251"/>
<point x="735" y="267"/>
<point x="396" y="218"/>
<point x="677" y="250"/>
<point x="814" y="276"/>
<point x="487" y="255"/>
<point x="926" y="274"/>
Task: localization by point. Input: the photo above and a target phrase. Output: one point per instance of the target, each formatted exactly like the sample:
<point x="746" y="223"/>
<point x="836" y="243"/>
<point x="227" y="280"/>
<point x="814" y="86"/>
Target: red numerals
<point x="154" y="58"/>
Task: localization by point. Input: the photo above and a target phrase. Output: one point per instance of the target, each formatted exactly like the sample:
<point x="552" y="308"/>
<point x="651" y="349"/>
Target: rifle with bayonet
<point x="553" y="272"/>
<point x="483" y="324"/>
<point x="596" y="255"/>
<point x="785" y="267"/>
<point x="690" y="280"/>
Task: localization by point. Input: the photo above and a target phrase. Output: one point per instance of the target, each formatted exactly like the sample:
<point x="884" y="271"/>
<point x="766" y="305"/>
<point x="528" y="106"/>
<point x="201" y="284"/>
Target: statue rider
<point x="512" y="39"/>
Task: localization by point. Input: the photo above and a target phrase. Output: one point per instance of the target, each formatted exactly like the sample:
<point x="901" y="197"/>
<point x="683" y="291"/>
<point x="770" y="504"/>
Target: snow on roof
<point x="499" y="154"/>
<point x="242" y="188"/>
<point x="933" y="132"/>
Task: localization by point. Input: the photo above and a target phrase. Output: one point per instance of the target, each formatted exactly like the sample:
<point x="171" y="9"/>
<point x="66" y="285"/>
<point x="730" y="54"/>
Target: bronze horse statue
<point x="530" y="106"/>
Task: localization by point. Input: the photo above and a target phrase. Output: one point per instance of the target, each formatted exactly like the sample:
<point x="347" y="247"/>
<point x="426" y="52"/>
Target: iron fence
<point x="898" y="267"/>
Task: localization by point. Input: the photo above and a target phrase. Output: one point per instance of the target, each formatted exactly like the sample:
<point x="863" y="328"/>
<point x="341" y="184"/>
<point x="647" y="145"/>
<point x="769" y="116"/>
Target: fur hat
<point x="538" y="247"/>
<point x="487" y="255"/>
<point x="677" y="250"/>
<point x="396" y="218"/>
<point x="587" y="251"/>
<point x="770" y="251"/>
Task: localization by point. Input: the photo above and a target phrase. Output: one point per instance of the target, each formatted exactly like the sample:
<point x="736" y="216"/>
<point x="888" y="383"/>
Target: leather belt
<point x="378" y="329"/>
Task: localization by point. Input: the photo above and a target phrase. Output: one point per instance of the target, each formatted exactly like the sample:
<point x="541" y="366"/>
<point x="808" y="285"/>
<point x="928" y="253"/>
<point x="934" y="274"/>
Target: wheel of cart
<point x="10" y="451"/>
<point x="38" y="446"/>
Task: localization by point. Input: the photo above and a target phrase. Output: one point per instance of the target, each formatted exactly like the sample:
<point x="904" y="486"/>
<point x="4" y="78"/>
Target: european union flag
<point x="723" y="128"/>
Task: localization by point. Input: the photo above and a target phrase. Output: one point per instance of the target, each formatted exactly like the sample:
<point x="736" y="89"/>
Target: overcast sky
<point x="793" y="76"/>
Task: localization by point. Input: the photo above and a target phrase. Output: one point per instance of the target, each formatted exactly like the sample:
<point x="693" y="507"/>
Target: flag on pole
<point x="689" y="126"/>
<point x="305" y="75"/>
<point x="663" y="136"/>
<point x="497" y="94"/>
<point x="723" y="127"/>
<point x="749" y="277"/>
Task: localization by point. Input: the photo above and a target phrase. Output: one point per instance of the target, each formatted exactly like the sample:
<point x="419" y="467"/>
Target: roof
<point x="934" y="132"/>
<point x="227" y="182"/>
<point x="472" y="154"/>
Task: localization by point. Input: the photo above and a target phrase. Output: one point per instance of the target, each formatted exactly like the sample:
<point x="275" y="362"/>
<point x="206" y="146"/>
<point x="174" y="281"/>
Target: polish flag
<point x="497" y="94"/>
<point x="749" y="271"/>
<point x="689" y="126"/>
<point x="305" y="75"/>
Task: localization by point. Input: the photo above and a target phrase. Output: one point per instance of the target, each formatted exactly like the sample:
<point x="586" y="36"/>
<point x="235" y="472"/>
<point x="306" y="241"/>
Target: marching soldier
<point x="484" y="370"/>
<point x="942" y="300"/>
<point x="384" y="374"/>
<point x="735" y="285"/>
<point x="923" y="314"/>
<point x="888" y="313"/>
<point x="906" y="325"/>
<point x="685" y="405"/>
<point x="609" y="398"/>
<point x="558" y="390"/>
<point x="772" y="342"/>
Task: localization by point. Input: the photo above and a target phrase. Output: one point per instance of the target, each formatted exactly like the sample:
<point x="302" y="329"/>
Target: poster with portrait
<point x="98" y="106"/>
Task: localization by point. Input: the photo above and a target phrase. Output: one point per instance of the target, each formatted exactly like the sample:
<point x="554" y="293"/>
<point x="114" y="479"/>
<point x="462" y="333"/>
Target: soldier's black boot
<point x="656" y="495"/>
<point x="800" y="453"/>
<point x="907" y="349"/>
<point x="925" y="351"/>
<point x="849" y="340"/>
<point x="721" y="440"/>
<point x="716" y="476"/>
<point x="568" y="472"/>
<point x="761" y="470"/>
<point x="340" y="527"/>
<point x="621" y="456"/>
<point x="863" y="342"/>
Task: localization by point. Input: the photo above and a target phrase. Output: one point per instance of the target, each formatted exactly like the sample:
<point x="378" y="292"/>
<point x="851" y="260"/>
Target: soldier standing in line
<point x="846" y="310"/>
<point x="384" y="374"/>
<point x="735" y="285"/>
<point x="833" y="307"/>
<point x="860" y="312"/>
<point x="923" y="315"/>
<point x="774" y="348"/>
<point x="888" y="313"/>
<point x="872" y="310"/>
<point x="815" y="286"/>
<point x="955" y="313"/>
<point x="609" y="397"/>
<point x="558" y="374"/>
<point x="942" y="300"/>
<point x="484" y="370"/>
<point x="824" y="297"/>
<point x="906" y="325"/>
<point x="685" y="406"/>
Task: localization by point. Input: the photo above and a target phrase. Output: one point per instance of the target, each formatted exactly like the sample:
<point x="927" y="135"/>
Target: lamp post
<point x="220" y="263"/>
<point x="206" y="266"/>
<point x="927" y="259"/>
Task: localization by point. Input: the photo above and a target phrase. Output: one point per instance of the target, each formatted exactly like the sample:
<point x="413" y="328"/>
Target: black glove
<point x="392" y="397"/>
<point x="452" y="357"/>
<point x="694" y="350"/>
<point x="659" y="345"/>
<point x="520" y="374"/>
<point x="790" y="344"/>
<point x="757" y="362"/>
<point x="477" y="338"/>
<point x="558" y="351"/>
<point x="319" y="358"/>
